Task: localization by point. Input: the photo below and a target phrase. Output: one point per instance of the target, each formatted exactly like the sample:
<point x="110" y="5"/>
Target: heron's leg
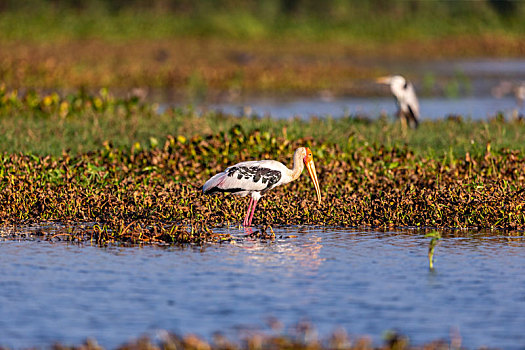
<point x="247" y="217"/>
<point x="253" y="211"/>
<point x="404" y="121"/>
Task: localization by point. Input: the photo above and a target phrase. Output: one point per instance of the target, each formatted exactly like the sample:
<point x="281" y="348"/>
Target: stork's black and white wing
<point x="246" y="177"/>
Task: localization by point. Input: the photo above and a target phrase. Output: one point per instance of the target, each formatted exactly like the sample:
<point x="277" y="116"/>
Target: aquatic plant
<point x="434" y="236"/>
<point x="152" y="195"/>
<point x="129" y="179"/>
<point x="303" y="336"/>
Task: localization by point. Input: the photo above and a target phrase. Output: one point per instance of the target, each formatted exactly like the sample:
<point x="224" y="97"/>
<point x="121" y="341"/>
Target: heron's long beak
<point x="310" y="166"/>
<point x="383" y="80"/>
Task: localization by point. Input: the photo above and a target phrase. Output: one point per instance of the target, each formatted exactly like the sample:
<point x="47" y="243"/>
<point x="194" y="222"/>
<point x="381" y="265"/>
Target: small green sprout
<point x="435" y="237"/>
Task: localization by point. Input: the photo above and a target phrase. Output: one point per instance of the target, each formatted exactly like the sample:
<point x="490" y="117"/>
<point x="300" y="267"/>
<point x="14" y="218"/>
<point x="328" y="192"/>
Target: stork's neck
<point x="298" y="166"/>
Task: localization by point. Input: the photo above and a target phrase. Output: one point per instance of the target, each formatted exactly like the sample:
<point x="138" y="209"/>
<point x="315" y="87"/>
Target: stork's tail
<point x="212" y="185"/>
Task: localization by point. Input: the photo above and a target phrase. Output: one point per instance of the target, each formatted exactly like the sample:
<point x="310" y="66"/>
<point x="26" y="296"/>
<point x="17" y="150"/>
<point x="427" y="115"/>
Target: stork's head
<point x="308" y="160"/>
<point x="397" y="82"/>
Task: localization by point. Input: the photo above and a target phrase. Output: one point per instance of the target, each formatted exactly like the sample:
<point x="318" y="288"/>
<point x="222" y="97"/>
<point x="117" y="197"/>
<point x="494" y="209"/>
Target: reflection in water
<point x="364" y="281"/>
<point x="284" y="251"/>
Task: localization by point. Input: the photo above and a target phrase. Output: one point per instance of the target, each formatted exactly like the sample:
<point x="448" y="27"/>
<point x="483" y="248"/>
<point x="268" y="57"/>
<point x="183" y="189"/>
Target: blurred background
<point x="282" y="57"/>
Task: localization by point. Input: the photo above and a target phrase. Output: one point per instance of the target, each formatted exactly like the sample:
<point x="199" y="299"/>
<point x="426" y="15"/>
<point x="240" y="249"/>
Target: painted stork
<point x="255" y="178"/>
<point x="406" y="97"/>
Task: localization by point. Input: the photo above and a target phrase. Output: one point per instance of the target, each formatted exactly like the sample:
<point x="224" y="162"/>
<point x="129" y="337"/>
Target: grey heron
<point x="406" y="97"/>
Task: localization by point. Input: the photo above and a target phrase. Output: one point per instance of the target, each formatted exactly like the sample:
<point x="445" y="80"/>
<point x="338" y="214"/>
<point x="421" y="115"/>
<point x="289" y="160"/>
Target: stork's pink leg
<point x="247" y="217"/>
<point x="253" y="211"/>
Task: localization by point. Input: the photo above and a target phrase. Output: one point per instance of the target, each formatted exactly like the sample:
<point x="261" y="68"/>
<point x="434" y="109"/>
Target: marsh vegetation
<point x="138" y="173"/>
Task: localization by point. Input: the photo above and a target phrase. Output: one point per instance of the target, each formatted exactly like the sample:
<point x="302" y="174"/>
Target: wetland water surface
<point x="476" y="89"/>
<point x="364" y="281"/>
<point x="473" y="107"/>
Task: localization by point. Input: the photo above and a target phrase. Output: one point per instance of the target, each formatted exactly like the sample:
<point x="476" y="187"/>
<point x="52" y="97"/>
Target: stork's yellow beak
<point x="383" y="80"/>
<point x="310" y="166"/>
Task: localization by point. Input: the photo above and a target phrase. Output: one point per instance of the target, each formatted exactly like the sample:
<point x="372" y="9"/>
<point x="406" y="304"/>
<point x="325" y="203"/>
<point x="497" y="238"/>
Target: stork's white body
<point x="255" y="178"/>
<point x="242" y="183"/>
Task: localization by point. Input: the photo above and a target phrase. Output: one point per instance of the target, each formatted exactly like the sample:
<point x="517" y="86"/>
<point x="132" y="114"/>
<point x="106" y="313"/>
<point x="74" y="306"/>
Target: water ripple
<point x="363" y="280"/>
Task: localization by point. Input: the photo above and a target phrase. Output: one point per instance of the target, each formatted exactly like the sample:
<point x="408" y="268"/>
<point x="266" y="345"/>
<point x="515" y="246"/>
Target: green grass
<point x="352" y="22"/>
<point x="79" y="123"/>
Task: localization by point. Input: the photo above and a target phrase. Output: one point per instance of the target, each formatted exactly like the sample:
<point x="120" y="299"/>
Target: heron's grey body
<point x="406" y="98"/>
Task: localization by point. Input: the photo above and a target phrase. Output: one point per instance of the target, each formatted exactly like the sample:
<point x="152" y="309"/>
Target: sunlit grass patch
<point x="50" y="124"/>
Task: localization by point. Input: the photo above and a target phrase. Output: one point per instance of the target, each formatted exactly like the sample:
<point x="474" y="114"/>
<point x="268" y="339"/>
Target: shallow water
<point x="364" y="281"/>
<point x="472" y="88"/>
<point x="473" y="107"/>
